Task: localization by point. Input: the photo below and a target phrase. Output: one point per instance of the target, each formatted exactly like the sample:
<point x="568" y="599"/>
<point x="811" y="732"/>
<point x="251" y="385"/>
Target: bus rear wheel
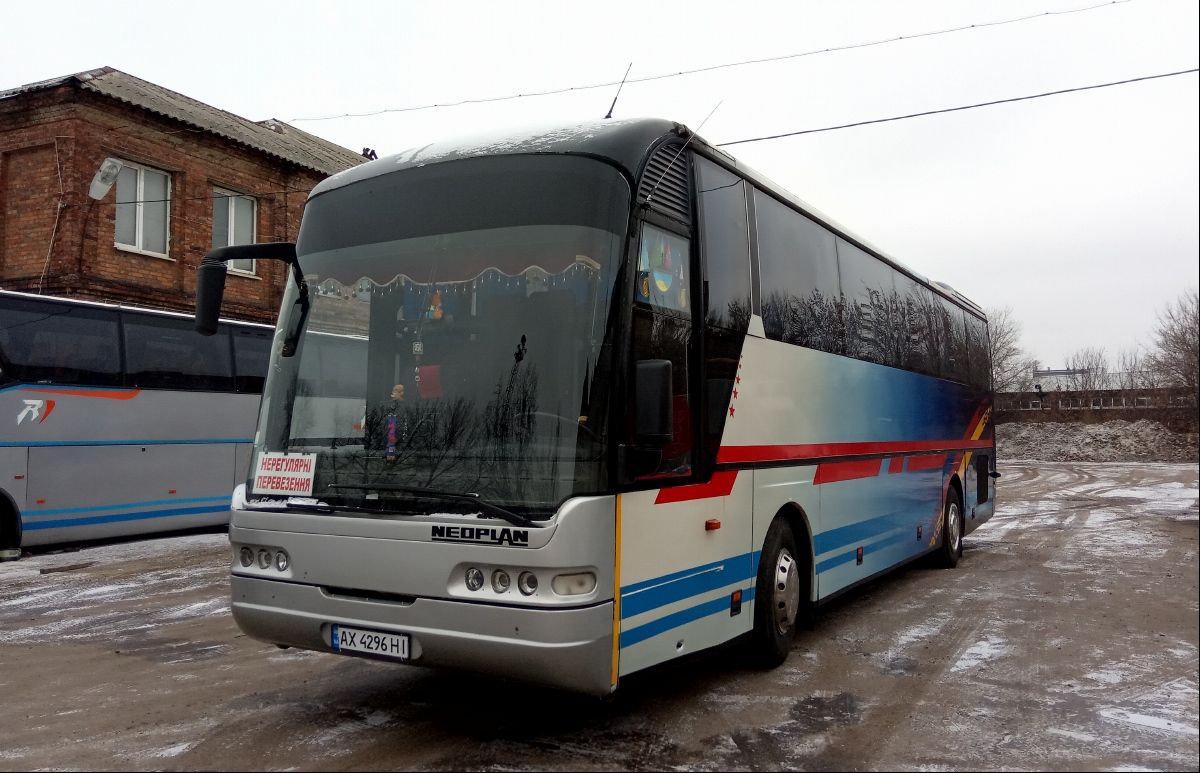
<point x="777" y="596"/>
<point x="952" y="531"/>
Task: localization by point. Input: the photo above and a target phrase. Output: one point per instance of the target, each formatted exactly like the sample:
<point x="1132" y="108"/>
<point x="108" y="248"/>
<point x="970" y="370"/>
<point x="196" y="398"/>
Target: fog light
<point x="574" y="584"/>
<point x="500" y="581"/>
<point x="246" y="556"/>
<point x="474" y="579"/>
<point x="264" y="559"/>
<point x="527" y="583"/>
<point x="281" y="561"/>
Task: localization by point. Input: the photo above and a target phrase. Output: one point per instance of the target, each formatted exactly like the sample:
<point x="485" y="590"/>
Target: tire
<point x="778" y="596"/>
<point x="952" y="530"/>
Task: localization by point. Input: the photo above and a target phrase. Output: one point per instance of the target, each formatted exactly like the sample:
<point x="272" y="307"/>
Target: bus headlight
<point x="264" y="559"/>
<point x="500" y="581"/>
<point x="574" y="584"/>
<point x="281" y="561"/>
<point x="246" y="556"/>
<point x="527" y="583"/>
<point x="474" y="579"/>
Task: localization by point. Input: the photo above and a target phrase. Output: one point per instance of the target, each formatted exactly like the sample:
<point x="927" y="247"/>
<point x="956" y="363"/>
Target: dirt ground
<point x="1066" y="639"/>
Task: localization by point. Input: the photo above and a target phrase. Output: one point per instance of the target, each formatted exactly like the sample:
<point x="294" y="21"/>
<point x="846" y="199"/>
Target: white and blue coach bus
<point x="119" y="421"/>
<point x="623" y="400"/>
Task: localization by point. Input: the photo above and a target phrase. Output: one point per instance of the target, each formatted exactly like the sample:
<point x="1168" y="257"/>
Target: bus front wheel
<point x="952" y="531"/>
<point x="777" y="596"/>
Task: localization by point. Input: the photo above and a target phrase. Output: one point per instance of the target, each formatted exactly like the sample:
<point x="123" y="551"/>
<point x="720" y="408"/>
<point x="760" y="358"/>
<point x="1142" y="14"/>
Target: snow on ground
<point x="1110" y="441"/>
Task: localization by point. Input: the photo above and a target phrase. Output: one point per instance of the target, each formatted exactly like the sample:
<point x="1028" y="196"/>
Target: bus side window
<point x="954" y="366"/>
<point x="977" y="353"/>
<point x="251" y="357"/>
<point x="872" y="307"/>
<point x="46" y="342"/>
<point x="724" y="225"/>
<point x="801" y="302"/>
<point x="167" y="353"/>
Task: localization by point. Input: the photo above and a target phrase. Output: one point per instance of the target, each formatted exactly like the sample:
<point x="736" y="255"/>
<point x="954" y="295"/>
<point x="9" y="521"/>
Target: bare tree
<point x="1012" y="366"/>
<point x="1091" y="370"/>
<point x="1176" y="356"/>
<point x="1133" y="371"/>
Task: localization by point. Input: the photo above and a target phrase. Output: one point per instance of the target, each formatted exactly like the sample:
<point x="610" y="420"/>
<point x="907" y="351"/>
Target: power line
<point x="955" y="109"/>
<point x="663" y="76"/>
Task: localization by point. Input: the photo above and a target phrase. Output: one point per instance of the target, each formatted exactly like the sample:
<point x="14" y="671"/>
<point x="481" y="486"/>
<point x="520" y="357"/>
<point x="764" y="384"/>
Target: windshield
<point x="457" y="338"/>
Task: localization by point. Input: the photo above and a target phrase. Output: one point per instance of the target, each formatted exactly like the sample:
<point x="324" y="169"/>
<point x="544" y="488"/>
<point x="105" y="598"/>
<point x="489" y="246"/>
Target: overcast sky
<point x="1079" y="211"/>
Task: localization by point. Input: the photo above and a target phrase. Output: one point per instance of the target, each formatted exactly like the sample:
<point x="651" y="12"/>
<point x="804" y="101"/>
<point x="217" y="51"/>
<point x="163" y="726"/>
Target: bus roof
<point x="625" y="143"/>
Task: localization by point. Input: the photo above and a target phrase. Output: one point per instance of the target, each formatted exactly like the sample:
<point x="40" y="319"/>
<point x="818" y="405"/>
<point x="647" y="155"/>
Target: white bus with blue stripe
<point x="120" y="421"/>
<point x="609" y="398"/>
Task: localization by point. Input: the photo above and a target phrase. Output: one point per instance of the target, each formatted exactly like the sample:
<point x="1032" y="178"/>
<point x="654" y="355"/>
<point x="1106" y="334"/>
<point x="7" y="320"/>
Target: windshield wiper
<point x="490" y="509"/>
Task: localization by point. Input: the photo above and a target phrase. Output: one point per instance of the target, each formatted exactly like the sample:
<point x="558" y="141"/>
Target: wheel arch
<point x="802" y="530"/>
<point x="10" y="522"/>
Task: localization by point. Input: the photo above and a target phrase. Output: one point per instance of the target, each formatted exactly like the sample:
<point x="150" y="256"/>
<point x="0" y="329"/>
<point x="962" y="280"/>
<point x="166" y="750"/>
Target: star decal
<point x="739" y="379"/>
<point x="735" y="394"/>
<point x="731" y="411"/>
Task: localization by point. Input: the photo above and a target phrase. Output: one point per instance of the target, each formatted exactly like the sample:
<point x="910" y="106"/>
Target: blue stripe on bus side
<point x="861" y="531"/>
<point x="681" y="618"/>
<point x="144" y="514"/>
<point x="847" y="557"/>
<point x="45" y="443"/>
<point x="118" y="506"/>
<point x="668" y="589"/>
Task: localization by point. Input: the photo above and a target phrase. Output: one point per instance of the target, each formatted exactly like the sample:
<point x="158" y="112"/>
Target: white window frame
<point x="230" y="196"/>
<point x="138" y="203"/>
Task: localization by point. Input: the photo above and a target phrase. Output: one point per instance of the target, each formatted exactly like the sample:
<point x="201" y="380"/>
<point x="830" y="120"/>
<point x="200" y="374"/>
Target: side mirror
<point x="210" y="277"/>
<point x="653" y="419"/>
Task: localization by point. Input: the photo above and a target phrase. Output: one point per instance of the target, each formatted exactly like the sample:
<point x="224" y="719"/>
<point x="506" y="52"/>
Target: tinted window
<point x="798" y="277"/>
<point x="166" y="353"/>
<point x="873" y="309"/>
<point x="977" y="353"/>
<point x="336" y="366"/>
<point x="726" y="245"/>
<point x="954" y="364"/>
<point x="251" y="356"/>
<point x="921" y="316"/>
<point x="58" y="343"/>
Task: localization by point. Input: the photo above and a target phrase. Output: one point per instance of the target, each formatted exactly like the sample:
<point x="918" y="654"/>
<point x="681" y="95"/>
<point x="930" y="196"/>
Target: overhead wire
<point x="710" y="68"/>
<point x="956" y="109"/>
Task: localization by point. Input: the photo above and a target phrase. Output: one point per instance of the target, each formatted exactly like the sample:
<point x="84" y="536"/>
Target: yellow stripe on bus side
<point x="616" y="637"/>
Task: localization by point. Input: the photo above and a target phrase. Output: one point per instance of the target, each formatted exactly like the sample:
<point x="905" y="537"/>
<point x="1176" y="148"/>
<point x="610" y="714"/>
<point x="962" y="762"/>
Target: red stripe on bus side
<point x="748" y="454"/>
<point x="720" y="486"/>
<point x="832" y="473"/>
<point x="895" y="465"/>
<point x="931" y="462"/>
<point x="108" y="394"/>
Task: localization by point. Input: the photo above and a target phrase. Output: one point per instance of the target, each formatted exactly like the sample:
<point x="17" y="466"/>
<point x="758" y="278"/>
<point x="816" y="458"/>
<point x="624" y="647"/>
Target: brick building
<point x="193" y="177"/>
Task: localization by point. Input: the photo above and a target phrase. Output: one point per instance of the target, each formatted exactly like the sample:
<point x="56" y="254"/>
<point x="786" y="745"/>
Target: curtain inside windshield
<point x="470" y="361"/>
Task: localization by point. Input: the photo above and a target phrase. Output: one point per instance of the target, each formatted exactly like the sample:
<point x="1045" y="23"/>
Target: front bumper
<point x="569" y="649"/>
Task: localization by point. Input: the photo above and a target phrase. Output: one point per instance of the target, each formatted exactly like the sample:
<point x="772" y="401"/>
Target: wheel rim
<point x="953" y="526"/>
<point x="786" y="595"/>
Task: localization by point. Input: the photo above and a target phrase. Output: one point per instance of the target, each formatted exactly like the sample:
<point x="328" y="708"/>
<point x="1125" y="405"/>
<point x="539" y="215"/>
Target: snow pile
<point x="1112" y="441"/>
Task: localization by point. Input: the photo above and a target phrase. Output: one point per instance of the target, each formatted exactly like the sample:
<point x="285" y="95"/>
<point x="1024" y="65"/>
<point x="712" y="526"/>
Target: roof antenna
<point x="667" y="168"/>
<point x="614" y="104"/>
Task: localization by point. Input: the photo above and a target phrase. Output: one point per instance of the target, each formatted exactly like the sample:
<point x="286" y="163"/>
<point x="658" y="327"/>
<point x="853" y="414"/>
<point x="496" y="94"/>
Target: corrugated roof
<point x="272" y="136"/>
